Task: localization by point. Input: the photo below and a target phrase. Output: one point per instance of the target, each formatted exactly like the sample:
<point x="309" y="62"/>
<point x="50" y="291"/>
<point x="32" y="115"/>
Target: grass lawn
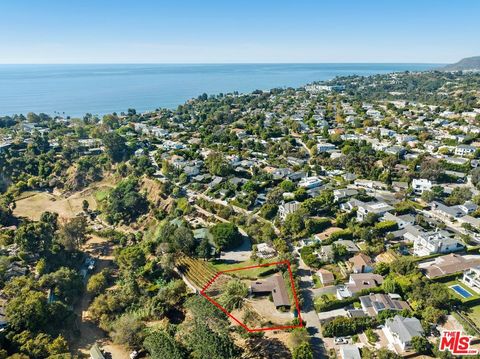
<point x="252" y="273"/>
<point x="102" y="193"/>
<point x="458" y="296"/>
<point x="317" y="281"/>
<point x="474" y="314"/>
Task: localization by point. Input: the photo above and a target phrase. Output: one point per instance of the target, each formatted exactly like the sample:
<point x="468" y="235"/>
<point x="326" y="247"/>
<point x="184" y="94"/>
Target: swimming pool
<point x="461" y="291"/>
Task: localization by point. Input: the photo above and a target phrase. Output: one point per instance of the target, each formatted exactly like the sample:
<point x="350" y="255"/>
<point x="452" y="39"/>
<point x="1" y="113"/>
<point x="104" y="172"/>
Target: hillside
<point x="466" y="64"/>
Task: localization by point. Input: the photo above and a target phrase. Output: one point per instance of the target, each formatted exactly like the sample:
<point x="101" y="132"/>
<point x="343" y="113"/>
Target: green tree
<point x="294" y="223"/>
<point x="303" y="351"/>
<point x="226" y="236"/>
<point x="161" y="344"/>
<point x="204" y="249"/>
<point x="29" y="311"/>
<point x="66" y="284"/>
<point x="234" y="295"/>
<point x="128" y="330"/>
<point x="115" y="147"/>
<point x="203" y="342"/>
<point x="421" y="345"/>
<point x="73" y="233"/>
<point x="217" y="164"/>
<point x="131" y="259"/>
<point x="125" y="203"/>
<point x="98" y="282"/>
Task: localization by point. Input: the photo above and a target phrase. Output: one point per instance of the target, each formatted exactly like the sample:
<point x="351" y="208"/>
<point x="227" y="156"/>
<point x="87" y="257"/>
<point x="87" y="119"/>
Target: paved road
<point x="309" y="315"/>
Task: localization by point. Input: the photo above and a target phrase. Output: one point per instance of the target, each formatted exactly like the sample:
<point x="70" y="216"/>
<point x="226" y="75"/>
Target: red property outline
<point x="282" y="327"/>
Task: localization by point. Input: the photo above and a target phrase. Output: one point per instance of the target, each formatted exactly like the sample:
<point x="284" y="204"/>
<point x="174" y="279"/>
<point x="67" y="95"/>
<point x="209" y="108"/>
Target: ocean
<point x="73" y="90"/>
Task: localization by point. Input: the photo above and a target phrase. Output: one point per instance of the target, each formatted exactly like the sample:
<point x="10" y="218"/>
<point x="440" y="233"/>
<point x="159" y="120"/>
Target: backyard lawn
<point x="474" y="314"/>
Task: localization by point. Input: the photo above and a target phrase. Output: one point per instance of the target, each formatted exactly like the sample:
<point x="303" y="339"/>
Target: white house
<point x="326" y="147"/>
<point x="421" y="184"/>
<point x="286" y="208"/>
<point x="378" y="208"/>
<point x="465" y="150"/>
<point x="400" y="331"/>
<point x="435" y="242"/>
<point x="310" y="182"/>
<point x="471" y="277"/>
<point x="357" y="283"/>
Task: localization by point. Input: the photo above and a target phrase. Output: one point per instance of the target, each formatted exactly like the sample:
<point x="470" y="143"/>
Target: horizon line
<point x="224" y="63"/>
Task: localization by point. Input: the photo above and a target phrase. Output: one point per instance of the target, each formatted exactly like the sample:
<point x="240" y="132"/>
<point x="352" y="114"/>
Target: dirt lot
<point x="266" y="309"/>
<point x="38" y="202"/>
<point x="31" y="205"/>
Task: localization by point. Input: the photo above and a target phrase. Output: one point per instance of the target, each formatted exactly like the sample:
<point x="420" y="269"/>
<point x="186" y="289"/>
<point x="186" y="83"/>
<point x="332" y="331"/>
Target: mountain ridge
<point x="465" y="64"/>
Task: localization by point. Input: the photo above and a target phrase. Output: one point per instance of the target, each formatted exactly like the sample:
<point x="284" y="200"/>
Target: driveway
<point x="240" y="254"/>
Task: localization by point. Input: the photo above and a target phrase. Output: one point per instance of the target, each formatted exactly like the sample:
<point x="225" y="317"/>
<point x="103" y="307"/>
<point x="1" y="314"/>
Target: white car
<point x="341" y="340"/>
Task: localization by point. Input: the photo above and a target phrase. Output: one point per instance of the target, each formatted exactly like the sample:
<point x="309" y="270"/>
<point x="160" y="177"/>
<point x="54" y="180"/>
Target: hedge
<point x="446" y="278"/>
<point x="386" y="226"/>
<point x="335" y="236"/>
<point x="341" y="326"/>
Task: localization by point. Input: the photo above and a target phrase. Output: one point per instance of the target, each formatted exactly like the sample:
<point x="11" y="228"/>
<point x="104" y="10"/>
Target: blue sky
<point x="225" y="31"/>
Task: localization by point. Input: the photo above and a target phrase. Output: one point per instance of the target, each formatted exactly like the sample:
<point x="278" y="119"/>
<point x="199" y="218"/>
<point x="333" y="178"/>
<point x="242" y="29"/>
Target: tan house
<point x="274" y="285"/>
<point x="449" y="264"/>
<point x="361" y="263"/>
<point x="326" y="277"/>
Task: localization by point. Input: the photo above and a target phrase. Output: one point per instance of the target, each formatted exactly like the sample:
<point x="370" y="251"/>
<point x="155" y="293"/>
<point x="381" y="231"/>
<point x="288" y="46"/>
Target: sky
<point x="241" y="31"/>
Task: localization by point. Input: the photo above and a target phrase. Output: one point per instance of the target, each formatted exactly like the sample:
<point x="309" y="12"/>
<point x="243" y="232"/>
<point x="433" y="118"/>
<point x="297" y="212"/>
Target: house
<point x="449" y="264"/>
<point x="400" y="331"/>
<point x="264" y="250"/>
<point x="281" y="173"/>
<point x="474" y="222"/>
<point x="340" y="194"/>
<point x="409" y="233"/>
<point x="421" y="185"/>
<point x="396" y="151"/>
<point x="215" y="182"/>
<point x="325" y="253"/>
<point x="325" y="147"/>
<point x="310" y="182"/>
<point x="471" y="277"/>
<point x="434" y="242"/>
<point x="274" y="285"/>
<point x="326" y="277"/>
<point x="399" y="186"/>
<point x="286" y="208"/>
<point x="349" y="245"/>
<point x="319" y="237"/>
<point x="468" y="207"/>
<point x="375" y="303"/>
<point x="361" y="263"/>
<point x="357" y="283"/>
<point x="377" y="208"/>
<point x="402" y="221"/>
<point x="465" y="150"/>
<point x="368" y="184"/>
<point x="446" y="212"/>
<point x="348" y="351"/>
